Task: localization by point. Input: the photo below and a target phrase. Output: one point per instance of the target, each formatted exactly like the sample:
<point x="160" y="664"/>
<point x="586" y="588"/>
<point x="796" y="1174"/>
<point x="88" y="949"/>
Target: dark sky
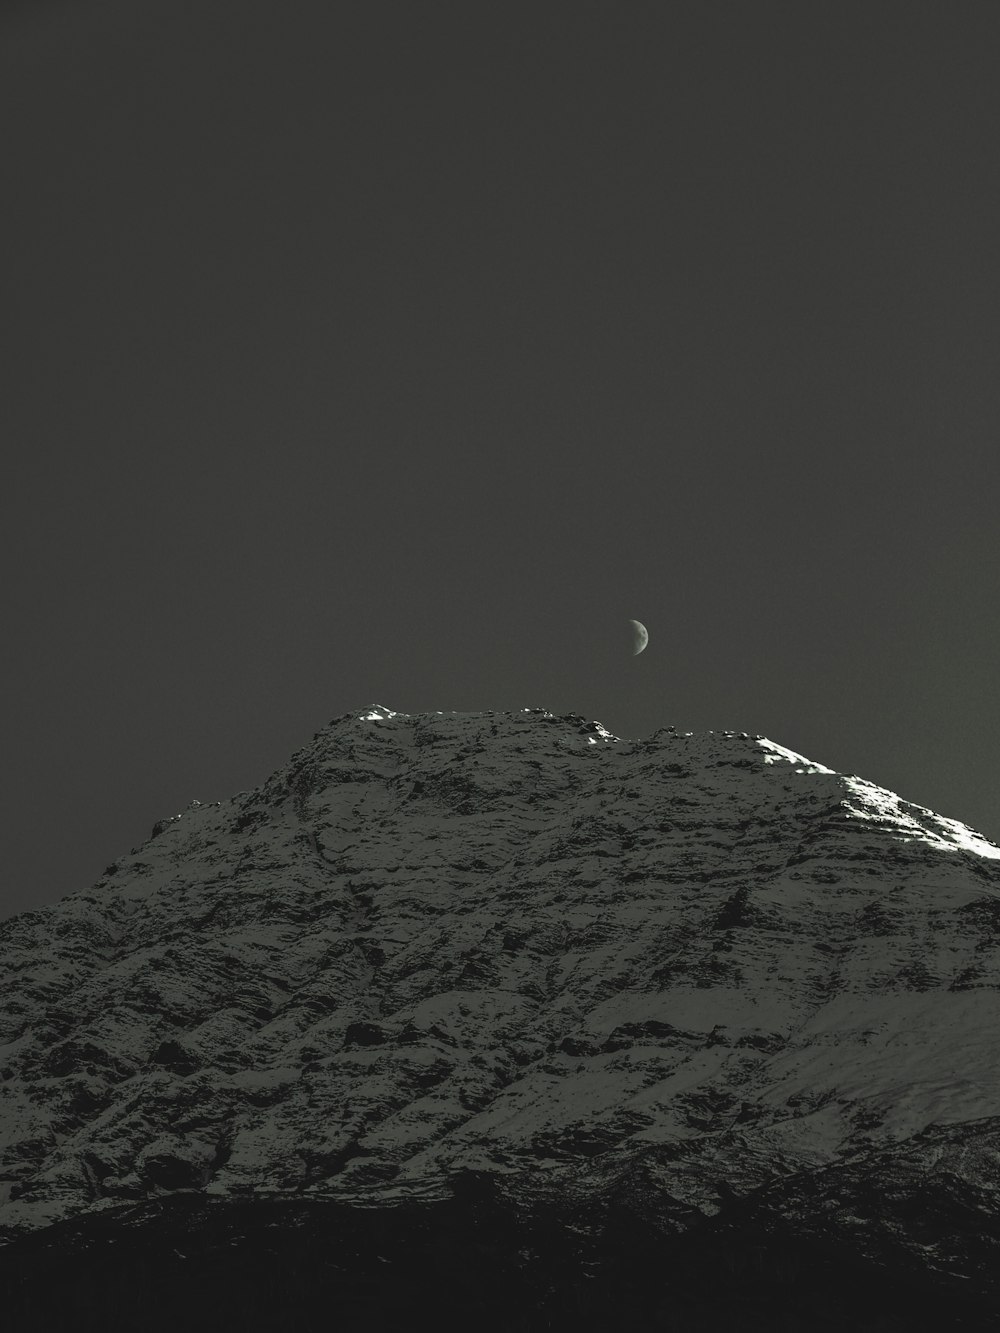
<point x="399" y="353"/>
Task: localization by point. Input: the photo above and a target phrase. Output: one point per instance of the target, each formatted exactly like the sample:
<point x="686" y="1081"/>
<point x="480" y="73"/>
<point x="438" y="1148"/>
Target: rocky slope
<point x="696" y="986"/>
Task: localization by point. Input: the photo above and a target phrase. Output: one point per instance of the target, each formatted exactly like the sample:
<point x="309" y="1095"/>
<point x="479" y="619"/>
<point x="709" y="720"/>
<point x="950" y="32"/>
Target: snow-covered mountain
<point x="693" y="998"/>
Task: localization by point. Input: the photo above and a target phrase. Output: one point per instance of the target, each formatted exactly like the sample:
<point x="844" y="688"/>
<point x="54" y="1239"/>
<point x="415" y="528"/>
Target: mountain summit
<point x="529" y="1021"/>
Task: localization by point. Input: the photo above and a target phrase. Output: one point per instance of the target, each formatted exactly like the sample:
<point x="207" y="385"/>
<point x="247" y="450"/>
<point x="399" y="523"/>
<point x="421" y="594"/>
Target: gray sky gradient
<point x="403" y="353"/>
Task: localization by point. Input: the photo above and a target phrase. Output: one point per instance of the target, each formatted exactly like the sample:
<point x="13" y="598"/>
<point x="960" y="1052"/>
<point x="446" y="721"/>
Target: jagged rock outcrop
<point x="693" y="985"/>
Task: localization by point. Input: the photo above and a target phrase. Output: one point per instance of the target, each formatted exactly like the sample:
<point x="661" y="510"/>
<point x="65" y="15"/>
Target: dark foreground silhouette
<point x="192" y="1264"/>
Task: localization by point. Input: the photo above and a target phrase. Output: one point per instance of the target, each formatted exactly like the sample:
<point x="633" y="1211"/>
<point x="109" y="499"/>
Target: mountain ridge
<point x="513" y="948"/>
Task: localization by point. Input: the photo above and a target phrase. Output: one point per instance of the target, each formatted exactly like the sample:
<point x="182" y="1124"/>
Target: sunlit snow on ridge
<point x="779" y="752"/>
<point x="916" y="822"/>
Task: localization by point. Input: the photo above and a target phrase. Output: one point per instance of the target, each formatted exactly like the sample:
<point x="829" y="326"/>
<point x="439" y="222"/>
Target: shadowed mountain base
<point x="460" y="1263"/>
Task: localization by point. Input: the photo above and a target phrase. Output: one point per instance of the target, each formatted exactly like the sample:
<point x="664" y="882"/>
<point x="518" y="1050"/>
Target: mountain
<point x="500" y="1018"/>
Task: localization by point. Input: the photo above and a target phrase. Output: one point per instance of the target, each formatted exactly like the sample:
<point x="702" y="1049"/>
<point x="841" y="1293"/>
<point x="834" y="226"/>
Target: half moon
<point x="640" y="636"/>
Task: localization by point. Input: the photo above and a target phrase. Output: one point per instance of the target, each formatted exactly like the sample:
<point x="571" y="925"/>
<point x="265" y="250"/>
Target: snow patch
<point x="378" y="713"/>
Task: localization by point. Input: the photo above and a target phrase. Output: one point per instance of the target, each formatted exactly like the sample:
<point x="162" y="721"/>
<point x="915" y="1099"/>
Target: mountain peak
<point x="514" y="944"/>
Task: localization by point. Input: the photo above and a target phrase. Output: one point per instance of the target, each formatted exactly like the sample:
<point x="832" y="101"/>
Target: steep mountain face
<point x="506" y="975"/>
